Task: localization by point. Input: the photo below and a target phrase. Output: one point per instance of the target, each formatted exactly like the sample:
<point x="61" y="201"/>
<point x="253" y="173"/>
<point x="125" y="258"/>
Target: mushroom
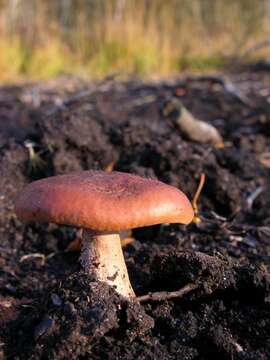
<point x="193" y="128"/>
<point x="103" y="204"/>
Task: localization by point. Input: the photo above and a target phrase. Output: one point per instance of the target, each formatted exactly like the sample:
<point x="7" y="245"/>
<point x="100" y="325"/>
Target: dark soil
<point x="50" y="309"/>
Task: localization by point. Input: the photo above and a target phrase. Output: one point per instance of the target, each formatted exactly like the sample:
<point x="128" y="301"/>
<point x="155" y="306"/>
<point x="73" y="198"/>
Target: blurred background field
<point x="40" y="39"/>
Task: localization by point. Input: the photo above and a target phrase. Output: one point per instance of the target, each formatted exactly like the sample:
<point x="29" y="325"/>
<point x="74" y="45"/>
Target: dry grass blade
<point x="196" y="218"/>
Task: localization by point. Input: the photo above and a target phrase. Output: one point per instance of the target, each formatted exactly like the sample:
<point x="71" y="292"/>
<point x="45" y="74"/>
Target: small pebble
<point x="56" y="300"/>
<point x="43" y="327"/>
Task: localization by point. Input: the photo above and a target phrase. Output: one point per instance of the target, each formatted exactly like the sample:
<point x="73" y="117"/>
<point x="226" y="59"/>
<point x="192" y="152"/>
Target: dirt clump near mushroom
<point x="85" y="317"/>
<point x="76" y="316"/>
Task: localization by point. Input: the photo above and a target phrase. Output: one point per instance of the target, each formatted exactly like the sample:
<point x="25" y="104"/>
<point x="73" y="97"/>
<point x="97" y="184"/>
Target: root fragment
<point x="166" y="295"/>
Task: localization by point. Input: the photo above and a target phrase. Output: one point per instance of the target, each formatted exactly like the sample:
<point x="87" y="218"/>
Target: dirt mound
<point x="49" y="309"/>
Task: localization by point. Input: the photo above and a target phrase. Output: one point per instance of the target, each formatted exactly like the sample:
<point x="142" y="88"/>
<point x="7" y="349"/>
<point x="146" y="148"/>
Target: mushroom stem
<point x="102" y="255"/>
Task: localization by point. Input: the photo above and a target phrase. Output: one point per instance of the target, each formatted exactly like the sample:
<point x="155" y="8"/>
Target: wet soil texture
<point x="50" y="309"/>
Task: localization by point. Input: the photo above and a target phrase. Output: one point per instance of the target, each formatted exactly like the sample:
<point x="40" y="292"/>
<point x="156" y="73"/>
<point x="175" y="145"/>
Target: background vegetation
<point x="44" y="38"/>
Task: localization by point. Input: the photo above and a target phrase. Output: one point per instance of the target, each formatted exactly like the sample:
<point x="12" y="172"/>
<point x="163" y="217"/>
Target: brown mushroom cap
<point x="103" y="201"/>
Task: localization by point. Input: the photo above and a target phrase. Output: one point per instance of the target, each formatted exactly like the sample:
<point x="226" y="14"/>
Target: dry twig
<point x="253" y="196"/>
<point x="40" y="256"/>
<point x="166" y="295"/>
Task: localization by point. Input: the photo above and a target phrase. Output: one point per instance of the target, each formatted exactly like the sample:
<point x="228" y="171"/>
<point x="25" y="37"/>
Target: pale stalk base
<point x="102" y="255"/>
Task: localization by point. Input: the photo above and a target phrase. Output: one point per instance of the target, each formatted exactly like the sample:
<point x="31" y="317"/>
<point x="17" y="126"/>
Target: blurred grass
<point x="40" y="39"/>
